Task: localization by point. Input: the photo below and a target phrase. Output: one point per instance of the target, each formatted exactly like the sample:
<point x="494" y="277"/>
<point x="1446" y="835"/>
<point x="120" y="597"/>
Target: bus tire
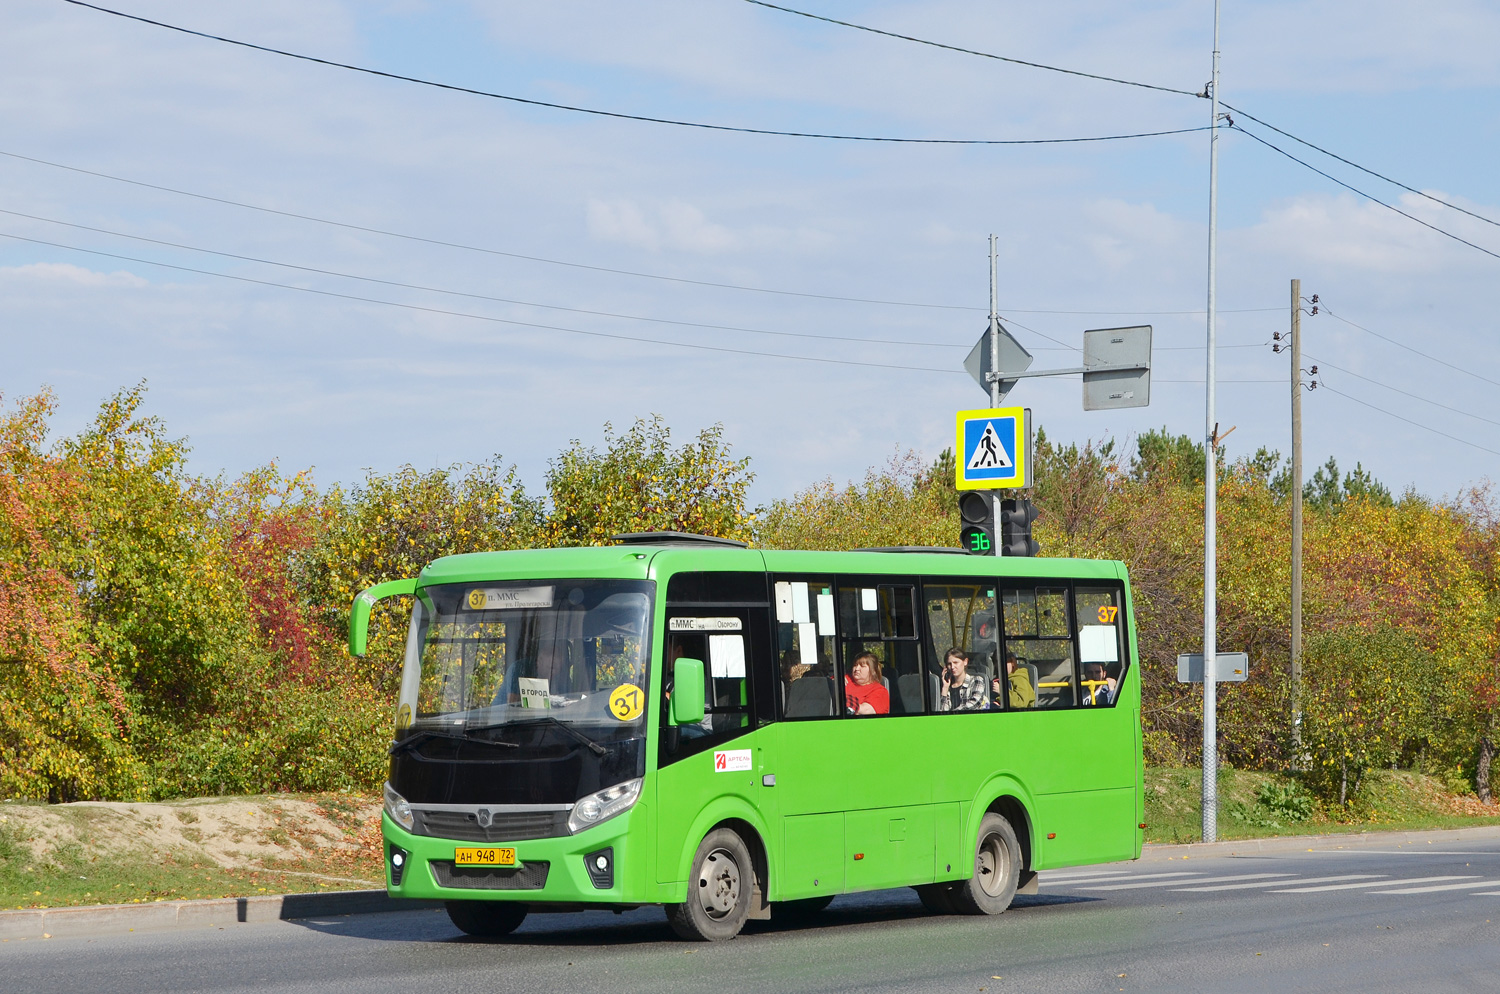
<point x="719" y="888"/>
<point x="486" y="919"/>
<point x="997" y="870"/>
<point x="937" y="898"/>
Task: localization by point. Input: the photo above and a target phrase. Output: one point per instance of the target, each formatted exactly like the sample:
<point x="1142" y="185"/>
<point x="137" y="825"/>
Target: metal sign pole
<point x="995" y="367"/>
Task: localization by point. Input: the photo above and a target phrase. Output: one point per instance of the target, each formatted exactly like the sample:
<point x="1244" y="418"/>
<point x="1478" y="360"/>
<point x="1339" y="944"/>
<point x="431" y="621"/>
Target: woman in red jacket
<point x="864" y="691"/>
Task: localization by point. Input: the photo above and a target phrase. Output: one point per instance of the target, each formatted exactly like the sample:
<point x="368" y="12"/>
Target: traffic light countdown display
<point x="977" y="532"/>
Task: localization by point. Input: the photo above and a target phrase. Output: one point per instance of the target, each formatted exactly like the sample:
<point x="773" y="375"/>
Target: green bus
<point x="733" y="733"/>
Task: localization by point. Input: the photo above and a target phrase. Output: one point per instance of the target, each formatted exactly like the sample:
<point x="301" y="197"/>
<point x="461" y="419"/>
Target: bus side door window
<point x="1101" y="643"/>
<point x="806" y="630"/>
<point x="1037" y="632"/>
<point x="721" y="619"/>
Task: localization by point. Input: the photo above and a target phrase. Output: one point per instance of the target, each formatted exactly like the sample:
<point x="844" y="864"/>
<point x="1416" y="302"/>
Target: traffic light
<point x="976" y="534"/>
<point x="1016" y="517"/>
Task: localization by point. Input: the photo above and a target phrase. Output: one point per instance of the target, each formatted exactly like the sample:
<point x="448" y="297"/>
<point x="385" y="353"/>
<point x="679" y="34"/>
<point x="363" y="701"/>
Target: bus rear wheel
<point x="719" y="888"/>
<point x="486" y="919"/>
<point x="997" y="870"/>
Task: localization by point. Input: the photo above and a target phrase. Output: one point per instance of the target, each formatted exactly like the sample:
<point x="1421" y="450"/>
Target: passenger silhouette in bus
<point x="864" y="691"/>
<point x="1098" y="688"/>
<point x="1019" y="693"/>
<point x="958" y="689"/>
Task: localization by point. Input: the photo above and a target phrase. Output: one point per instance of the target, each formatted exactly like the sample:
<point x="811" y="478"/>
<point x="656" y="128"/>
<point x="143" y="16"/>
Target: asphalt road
<point x="1369" y="917"/>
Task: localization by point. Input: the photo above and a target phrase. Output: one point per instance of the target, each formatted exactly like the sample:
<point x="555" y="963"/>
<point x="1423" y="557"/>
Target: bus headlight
<point x="603" y="804"/>
<point x="398" y="809"/>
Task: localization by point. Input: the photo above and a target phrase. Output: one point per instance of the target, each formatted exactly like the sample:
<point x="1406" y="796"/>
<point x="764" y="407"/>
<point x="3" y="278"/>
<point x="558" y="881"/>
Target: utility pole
<point x="995" y="383"/>
<point x="1210" y="483"/>
<point x="1296" y="496"/>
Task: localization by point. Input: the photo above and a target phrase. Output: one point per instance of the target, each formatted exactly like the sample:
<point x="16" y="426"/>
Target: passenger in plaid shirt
<point x="960" y="690"/>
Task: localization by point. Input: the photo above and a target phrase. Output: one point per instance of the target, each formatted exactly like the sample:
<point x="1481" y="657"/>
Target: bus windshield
<point x="493" y="654"/>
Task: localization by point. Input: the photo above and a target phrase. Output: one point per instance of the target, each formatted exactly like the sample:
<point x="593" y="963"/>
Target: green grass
<point x="1255" y="805"/>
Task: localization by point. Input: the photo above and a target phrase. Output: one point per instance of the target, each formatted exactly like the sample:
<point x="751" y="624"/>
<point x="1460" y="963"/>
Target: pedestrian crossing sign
<point x="992" y="448"/>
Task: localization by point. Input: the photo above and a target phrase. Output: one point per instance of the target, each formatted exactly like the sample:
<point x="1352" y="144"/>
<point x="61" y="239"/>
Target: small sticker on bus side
<point x="732" y="760"/>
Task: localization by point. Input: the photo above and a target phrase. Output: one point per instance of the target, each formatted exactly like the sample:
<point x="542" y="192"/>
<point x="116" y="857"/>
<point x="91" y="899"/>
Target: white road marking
<point x="1202" y="880"/>
<point x="1367" y="885"/>
<point x="1089" y="882"/>
<point x="1277" y="883"/>
<point x="1433" y="890"/>
<point x="1061" y="876"/>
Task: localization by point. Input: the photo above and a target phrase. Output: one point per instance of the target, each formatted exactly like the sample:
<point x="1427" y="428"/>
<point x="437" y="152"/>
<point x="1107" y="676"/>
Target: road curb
<point x="46" y="923"/>
<point x="1292" y="843"/>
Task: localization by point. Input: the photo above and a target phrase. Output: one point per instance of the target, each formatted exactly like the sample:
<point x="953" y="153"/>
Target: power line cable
<point x="422" y="239"/>
<point x="1129" y="82"/>
<point x="474" y="296"/>
<point x="1363" y="169"/>
<point x="1418" y="424"/>
<point x="970" y="51"/>
<point x="1404" y="393"/>
<point x="486" y="250"/>
<point x="506" y="321"/>
<point x="621" y="115"/>
<point x="467" y="314"/>
<point x="1353" y="189"/>
<point x="1400" y="344"/>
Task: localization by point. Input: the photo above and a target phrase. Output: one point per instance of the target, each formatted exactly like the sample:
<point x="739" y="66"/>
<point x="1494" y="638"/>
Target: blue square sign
<point x="991" y="447"/>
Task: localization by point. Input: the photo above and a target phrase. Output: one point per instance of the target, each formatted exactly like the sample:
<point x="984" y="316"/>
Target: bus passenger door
<point x="715" y="763"/>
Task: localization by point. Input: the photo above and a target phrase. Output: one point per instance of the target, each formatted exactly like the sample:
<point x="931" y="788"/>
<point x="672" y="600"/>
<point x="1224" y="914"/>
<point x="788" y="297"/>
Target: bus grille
<point x="508" y="826"/>
<point x="530" y="876"/>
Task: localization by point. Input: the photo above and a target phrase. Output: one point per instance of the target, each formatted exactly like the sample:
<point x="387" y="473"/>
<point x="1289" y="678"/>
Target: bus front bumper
<point x="601" y="865"/>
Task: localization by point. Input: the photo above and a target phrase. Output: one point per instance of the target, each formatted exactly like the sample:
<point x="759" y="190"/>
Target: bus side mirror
<point x="359" y="613"/>
<point x="687" y="692"/>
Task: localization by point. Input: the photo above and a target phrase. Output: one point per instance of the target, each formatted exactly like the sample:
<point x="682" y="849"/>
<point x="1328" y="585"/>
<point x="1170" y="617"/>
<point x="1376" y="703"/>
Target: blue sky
<point x="1091" y="235"/>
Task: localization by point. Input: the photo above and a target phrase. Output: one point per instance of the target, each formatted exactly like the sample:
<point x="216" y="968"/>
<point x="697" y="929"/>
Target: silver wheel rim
<point x="719" y="884"/>
<point x="991" y="865"/>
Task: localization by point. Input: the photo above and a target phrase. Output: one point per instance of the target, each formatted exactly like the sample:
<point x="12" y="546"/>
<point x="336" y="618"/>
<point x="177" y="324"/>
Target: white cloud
<point x="62" y="272"/>
<point x="674" y="225"/>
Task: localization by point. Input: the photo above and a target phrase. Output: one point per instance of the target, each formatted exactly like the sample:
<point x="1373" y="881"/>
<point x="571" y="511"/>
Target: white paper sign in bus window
<point x="807" y="643"/>
<point x="534" y="692"/>
<point x="497" y="598"/>
<point x="732" y="760"/>
<point x="705" y="624"/>
<point x="1098" y="644"/>
<point x="867" y="599"/>
<point x="800" y="613"/>
<point x="726" y="656"/>
<point x="783" y="602"/>
<point x="825" y="614"/>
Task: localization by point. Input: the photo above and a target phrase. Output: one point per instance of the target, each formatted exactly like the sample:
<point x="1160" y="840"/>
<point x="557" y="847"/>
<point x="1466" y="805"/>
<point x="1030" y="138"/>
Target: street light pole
<point x="1210" y="481"/>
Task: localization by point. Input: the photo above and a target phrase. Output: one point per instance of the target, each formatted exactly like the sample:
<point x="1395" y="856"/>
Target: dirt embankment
<point x="79" y="852"/>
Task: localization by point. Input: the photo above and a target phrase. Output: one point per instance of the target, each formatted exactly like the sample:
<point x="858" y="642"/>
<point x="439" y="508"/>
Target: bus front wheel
<point x="719" y="888"/>
<point x="997" y="870"/>
<point x="486" y="919"/>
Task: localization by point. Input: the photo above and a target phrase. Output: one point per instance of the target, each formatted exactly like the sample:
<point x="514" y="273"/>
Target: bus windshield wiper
<point x="596" y="748"/>
<point x="417" y="738"/>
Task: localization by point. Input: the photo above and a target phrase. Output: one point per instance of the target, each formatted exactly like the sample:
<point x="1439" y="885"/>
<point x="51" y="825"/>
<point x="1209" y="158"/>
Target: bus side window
<point x="1037" y="631"/>
<point x="878" y="616"/>
<point x="1101" y="643"/>
<point x="805" y="633"/>
<point x="961" y="615"/>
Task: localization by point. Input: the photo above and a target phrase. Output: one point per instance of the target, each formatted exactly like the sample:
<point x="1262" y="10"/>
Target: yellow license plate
<point x="486" y="856"/>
